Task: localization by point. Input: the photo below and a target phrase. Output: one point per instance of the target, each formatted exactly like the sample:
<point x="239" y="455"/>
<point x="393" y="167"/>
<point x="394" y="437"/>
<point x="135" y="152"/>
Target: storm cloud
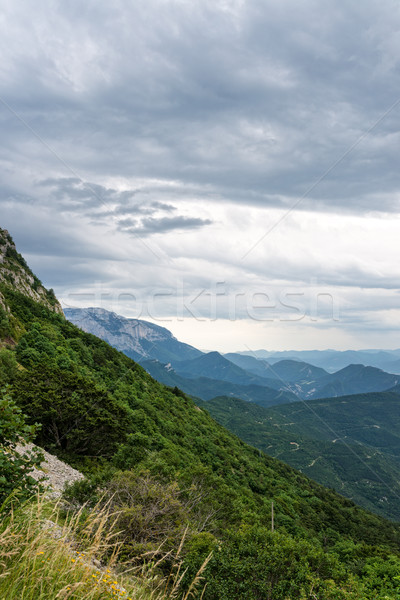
<point x="168" y="146"/>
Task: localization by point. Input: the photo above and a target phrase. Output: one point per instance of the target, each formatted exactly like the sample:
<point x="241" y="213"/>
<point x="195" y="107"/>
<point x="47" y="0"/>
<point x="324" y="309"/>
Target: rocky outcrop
<point x="14" y="272"/>
<point x="135" y="337"/>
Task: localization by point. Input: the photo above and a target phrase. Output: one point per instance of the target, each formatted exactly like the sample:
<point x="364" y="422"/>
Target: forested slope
<point x="101" y="411"/>
<point x="351" y="444"/>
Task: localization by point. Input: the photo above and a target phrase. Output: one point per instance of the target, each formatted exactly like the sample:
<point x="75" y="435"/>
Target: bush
<point x="15" y="480"/>
<point x="4" y="324"/>
<point x="255" y="563"/>
<point x="8" y="366"/>
<point x="151" y="513"/>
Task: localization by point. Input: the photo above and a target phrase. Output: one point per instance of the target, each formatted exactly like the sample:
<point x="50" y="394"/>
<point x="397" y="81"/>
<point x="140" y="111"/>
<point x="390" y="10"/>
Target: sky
<point x="226" y="169"/>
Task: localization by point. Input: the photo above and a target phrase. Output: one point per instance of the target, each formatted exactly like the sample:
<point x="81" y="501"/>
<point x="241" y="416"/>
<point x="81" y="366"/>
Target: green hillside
<point x="102" y="412"/>
<point x="350" y="443"/>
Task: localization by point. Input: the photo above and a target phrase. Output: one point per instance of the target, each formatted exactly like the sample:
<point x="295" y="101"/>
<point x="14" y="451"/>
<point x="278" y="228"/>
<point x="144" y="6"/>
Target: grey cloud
<point x="259" y="105"/>
<point x="165" y="224"/>
<point x="99" y="202"/>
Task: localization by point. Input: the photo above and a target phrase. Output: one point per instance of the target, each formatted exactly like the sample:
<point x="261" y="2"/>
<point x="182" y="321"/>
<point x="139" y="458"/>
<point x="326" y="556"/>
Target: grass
<point x="46" y="556"/>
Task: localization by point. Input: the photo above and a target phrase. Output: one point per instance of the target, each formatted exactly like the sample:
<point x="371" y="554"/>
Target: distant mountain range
<point x="351" y="443"/>
<point x="334" y="360"/>
<point x="353" y="379"/>
<point x="207" y="388"/>
<point x="215" y="366"/>
<point x="288" y="369"/>
<point x="206" y="375"/>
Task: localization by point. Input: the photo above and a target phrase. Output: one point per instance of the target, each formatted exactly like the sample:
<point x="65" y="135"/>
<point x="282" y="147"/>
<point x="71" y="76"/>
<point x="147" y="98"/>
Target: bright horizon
<point x="197" y="332"/>
<point x="226" y="169"/>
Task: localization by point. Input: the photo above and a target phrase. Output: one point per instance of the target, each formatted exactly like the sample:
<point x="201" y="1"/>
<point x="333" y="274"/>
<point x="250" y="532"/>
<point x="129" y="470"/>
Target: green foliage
<point x="51" y="296"/>
<point x="77" y="416"/>
<point x="14" y="467"/>
<point x="151" y="514"/>
<point x="101" y="411"/>
<point x="4" y="324"/>
<point x="34" y="348"/>
<point x="255" y="563"/>
<point x="8" y="366"/>
<point x="365" y="466"/>
<point x="138" y="445"/>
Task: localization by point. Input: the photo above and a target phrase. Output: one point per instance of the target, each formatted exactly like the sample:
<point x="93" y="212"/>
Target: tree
<point x="15" y="468"/>
<point x="4" y="324"/>
<point x="76" y="415"/>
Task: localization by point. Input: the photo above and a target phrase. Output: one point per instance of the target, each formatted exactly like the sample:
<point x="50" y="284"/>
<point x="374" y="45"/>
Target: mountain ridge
<point x="214" y="365"/>
<point x="15" y="272"/>
<point x="135" y="337"/>
<point x="332" y="360"/>
<point x="146" y="342"/>
<point x="206" y="388"/>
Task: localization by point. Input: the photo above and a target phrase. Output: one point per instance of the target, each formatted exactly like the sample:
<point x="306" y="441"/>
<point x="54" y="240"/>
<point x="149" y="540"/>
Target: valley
<point x="98" y="410"/>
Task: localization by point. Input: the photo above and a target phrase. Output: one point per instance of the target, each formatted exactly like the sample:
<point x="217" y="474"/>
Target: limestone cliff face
<point x="135" y="337"/>
<point x="15" y="273"/>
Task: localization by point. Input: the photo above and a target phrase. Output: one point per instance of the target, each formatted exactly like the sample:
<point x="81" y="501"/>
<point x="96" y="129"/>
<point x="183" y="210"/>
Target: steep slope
<point x="355" y="450"/>
<point x="138" y="339"/>
<point x="91" y="404"/>
<point x="206" y="388"/>
<point x="15" y="273"/>
<point x="101" y="411"/>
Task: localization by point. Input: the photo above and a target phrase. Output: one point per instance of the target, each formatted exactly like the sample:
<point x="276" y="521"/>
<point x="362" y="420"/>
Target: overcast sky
<point x="226" y="169"/>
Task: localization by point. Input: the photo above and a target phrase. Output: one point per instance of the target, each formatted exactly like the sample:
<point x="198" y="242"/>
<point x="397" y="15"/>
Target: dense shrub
<point x="76" y="415"/>
<point x="15" y="480"/>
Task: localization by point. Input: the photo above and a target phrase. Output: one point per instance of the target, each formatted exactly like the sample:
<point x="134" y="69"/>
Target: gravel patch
<point x="53" y="472"/>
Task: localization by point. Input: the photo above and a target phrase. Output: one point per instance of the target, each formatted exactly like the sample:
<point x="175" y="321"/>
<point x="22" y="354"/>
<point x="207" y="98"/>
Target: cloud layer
<point x="167" y="149"/>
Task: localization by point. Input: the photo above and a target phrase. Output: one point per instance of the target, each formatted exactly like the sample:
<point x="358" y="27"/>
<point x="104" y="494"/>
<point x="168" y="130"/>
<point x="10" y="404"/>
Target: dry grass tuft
<point x="44" y="555"/>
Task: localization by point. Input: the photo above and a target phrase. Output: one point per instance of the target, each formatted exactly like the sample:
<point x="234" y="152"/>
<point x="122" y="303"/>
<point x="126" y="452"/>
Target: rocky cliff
<point x="136" y="338"/>
<point x="15" y="273"/>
